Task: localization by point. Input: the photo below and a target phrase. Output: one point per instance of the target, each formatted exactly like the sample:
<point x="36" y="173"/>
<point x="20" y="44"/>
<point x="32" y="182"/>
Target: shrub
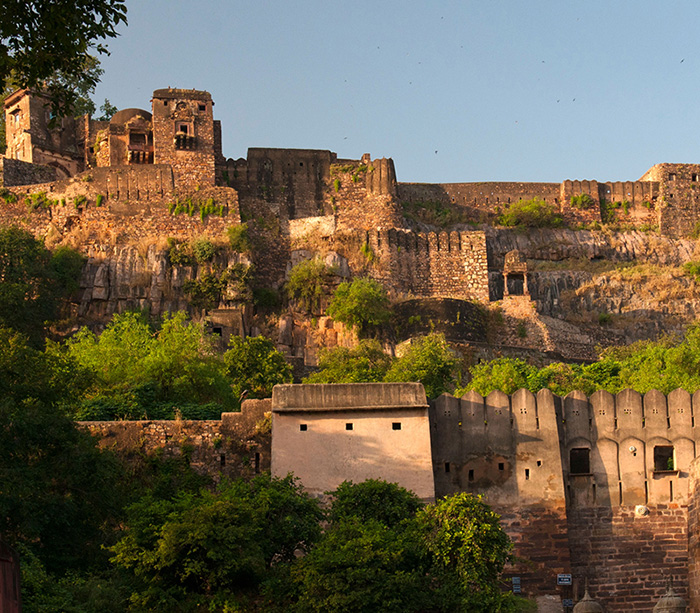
<point x="239" y="238"/>
<point x="98" y="200"/>
<point x="692" y="269"/>
<point x="582" y="201"/>
<point x="367" y="251"/>
<point x="8" y="196"/>
<point x="255" y="366"/>
<point x="307" y="281"/>
<point x="533" y="213"/>
<point x="364" y="363"/>
<point x="363" y="304"/>
<point x="336" y="185"/>
<point x="430" y="361"/>
<point x="203" y="250"/>
<point x="604" y="318"/>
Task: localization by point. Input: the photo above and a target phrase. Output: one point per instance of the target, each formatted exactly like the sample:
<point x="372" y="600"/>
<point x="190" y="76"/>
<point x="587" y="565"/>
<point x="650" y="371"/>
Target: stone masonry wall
<point x="623" y="513"/>
<point x="694" y="538"/>
<point x="431" y="265"/>
<point x="628" y="555"/>
<point x="15" y="172"/>
<point x="237" y="445"/>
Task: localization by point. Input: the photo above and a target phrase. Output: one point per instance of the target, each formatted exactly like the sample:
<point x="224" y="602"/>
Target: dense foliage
<point x="428" y="360"/>
<point x="136" y="372"/>
<point x="533" y="213"/>
<point x="307" y="284"/>
<point x="365" y="363"/>
<point x="33" y="281"/>
<point x="663" y="365"/>
<point x="48" y="43"/>
<point x="362" y="303"/>
<point x="254" y="367"/>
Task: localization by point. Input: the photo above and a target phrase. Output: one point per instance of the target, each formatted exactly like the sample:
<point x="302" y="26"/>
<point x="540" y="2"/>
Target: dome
<point x="670" y="602"/>
<point x="121" y="117"/>
<point x="587" y="605"/>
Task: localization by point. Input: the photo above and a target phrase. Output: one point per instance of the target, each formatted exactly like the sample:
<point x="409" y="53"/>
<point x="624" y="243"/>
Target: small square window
<point x="695" y="176"/>
<point x="579" y="461"/>
<point x="202" y="107"/>
<point x="396" y="425"/>
<point x="348" y="426"/>
<point x="470" y="476"/>
<point x="303" y="427"/>
<point x="501" y="466"/>
<point x="671" y="176"/>
<point x="663" y="458"/>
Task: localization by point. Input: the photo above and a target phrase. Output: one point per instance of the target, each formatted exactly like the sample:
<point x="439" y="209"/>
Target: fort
<point x="604" y="488"/>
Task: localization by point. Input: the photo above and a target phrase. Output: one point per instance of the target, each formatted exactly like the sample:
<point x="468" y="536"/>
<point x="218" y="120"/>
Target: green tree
<point x="373" y="499"/>
<point x="138" y="371"/>
<point x="505" y="374"/>
<point x="363" y="303"/>
<point x="107" y="111"/>
<point x="255" y="366"/>
<point x="307" y="283"/>
<point x="430" y="361"/>
<point x="364" y="363"/>
<point x="33" y="281"/>
<point x="214" y="547"/>
<point x="58" y="489"/>
<point x="40" y="40"/>
<point x="468" y="550"/>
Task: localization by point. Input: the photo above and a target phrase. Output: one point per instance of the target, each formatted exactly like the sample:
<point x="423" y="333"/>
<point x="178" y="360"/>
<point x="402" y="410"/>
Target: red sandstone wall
<point x="628" y="557"/>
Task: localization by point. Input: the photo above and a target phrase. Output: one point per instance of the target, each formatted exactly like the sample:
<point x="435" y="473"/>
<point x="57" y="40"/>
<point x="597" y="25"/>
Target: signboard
<point x="516" y="585"/>
<point x="564" y="580"/>
<point x="567" y="602"/>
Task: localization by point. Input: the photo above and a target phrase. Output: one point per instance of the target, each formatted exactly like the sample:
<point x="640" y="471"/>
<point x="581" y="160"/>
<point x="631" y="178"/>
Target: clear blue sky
<point x="483" y="90"/>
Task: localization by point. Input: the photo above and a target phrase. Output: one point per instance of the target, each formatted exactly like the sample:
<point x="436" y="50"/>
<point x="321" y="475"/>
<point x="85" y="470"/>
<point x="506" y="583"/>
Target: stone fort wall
<point x="431" y="265"/>
<point x="584" y="485"/>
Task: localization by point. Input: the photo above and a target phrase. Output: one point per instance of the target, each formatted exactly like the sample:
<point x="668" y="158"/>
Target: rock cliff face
<point x="120" y="278"/>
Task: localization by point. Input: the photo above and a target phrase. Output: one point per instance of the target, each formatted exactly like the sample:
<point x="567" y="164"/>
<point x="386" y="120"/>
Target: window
<point x="222" y="459"/>
<point x="202" y="107"/>
<point x="671" y="176"/>
<point x="695" y="176"/>
<point x="501" y="466"/>
<point x="470" y="476"/>
<point x="396" y="425"/>
<point x="447" y="467"/>
<point x="303" y="427"/>
<point x="580" y="461"/>
<point x="182" y="128"/>
<point x="217" y="330"/>
<point x="348" y="426"/>
<point x="663" y="458"/>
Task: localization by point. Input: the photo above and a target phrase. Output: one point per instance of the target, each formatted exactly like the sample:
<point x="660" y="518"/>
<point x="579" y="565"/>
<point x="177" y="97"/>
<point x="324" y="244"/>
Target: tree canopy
<point x="49" y="43"/>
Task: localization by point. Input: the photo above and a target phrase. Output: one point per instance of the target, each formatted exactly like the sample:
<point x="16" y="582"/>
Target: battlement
<point x="606" y="450"/>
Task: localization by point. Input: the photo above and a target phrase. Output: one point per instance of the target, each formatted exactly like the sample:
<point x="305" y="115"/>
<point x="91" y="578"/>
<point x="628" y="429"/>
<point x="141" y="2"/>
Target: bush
<point x="430" y="361"/>
<point x="364" y="363"/>
<point x="582" y="201"/>
<point x="239" y="238"/>
<point x="307" y="283"/>
<point x="533" y="213"/>
<point x="255" y="366"/>
<point x="363" y="303"/>
<point x="203" y="250"/>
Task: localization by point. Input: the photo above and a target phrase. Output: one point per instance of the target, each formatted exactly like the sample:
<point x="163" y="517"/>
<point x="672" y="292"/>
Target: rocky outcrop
<point x="558" y="244"/>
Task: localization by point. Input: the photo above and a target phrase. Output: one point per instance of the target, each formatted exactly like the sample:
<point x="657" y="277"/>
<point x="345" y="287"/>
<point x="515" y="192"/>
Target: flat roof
<point x="296" y="398"/>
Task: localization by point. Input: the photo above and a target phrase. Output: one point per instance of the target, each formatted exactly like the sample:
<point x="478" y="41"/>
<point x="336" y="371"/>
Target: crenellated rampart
<point x="430" y="264"/>
<point x="597" y="486"/>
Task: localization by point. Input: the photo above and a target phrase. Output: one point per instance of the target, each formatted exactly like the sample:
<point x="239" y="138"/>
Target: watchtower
<point x="183" y="135"/>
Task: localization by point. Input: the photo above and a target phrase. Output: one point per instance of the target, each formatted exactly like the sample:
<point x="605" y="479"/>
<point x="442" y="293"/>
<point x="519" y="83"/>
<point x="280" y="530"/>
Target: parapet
<point x="347" y="397"/>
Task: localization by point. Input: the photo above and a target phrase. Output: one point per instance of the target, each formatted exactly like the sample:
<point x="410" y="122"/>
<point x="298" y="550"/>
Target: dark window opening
<point x="257" y="462"/>
<point x="580" y="461"/>
<point x="447" y="467"/>
<point x="695" y="176"/>
<point x="663" y="458"/>
<point x="202" y="107"/>
<point x="218" y="330"/>
<point x="165" y="103"/>
<point x="471" y="474"/>
<point x="182" y="128"/>
<point x="501" y="466"/>
<point x="396" y="425"/>
<point x="671" y="176"/>
<point x="348" y="426"/>
<point x="303" y="427"/>
<point x="222" y="459"/>
<point x="539" y="463"/>
<point x="301" y="163"/>
<point x="527" y="474"/>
